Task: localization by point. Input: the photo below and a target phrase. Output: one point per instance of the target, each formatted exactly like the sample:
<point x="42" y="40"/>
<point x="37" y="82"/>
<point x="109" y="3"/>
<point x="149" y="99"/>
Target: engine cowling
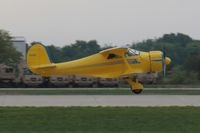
<point x="156" y="61"/>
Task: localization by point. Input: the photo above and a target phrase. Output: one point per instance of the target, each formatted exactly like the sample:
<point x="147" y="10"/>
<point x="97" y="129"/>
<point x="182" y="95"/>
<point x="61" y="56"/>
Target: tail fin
<point x="37" y="59"/>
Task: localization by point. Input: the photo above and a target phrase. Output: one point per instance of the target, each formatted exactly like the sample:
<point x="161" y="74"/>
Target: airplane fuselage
<point x="99" y="66"/>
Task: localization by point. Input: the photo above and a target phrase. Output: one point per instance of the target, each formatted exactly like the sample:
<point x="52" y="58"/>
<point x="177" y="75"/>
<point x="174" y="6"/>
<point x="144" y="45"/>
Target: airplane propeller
<point x="165" y="61"/>
<point x="164" y="64"/>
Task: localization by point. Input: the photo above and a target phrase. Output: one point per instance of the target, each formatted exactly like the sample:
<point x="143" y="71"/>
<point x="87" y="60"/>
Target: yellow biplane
<point x="109" y="63"/>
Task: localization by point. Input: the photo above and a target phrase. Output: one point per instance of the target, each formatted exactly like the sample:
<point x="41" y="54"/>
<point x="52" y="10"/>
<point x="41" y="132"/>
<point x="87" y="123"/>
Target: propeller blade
<point x="164" y="65"/>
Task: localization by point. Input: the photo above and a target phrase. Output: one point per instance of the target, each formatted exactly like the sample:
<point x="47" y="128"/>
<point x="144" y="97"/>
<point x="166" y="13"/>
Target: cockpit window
<point x="132" y="52"/>
<point x="113" y="56"/>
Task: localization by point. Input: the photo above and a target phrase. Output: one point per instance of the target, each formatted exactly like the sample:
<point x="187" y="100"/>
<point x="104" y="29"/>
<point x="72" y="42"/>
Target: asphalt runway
<point x="99" y="100"/>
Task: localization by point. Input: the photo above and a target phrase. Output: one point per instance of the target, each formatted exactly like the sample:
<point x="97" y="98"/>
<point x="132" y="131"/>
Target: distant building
<point x="21" y="46"/>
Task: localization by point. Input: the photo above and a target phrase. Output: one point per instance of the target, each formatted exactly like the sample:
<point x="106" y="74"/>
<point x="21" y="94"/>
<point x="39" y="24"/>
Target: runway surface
<point x="99" y="100"/>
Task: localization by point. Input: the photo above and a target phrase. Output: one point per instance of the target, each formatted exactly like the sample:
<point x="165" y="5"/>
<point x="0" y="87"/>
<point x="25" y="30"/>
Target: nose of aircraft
<point x="167" y="61"/>
<point x="159" y="61"/>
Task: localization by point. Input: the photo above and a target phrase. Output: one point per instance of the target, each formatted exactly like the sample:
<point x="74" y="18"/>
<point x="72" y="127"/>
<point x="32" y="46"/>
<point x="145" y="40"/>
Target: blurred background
<point x="181" y="48"/>
<point x="72" y="29"/>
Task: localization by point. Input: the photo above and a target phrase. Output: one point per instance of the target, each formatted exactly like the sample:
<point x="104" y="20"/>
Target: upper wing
<point x="117" y="51"/>
<point x="46" y="66"/>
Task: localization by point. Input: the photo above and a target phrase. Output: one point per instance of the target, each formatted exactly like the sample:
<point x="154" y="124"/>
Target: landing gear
<point x="136" y="87"/>
<point x="137" y="91"/>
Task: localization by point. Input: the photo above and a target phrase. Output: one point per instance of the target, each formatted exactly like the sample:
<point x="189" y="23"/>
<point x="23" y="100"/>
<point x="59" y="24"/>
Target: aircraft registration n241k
<point x="109" y="63"/>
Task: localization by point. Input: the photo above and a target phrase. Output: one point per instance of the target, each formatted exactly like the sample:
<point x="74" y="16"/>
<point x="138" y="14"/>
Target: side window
<point x="113" y="56"/>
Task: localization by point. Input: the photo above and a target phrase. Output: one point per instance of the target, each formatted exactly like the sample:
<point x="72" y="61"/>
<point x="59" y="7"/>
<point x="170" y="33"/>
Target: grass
<point x="100" y="120"/>
<point x="99" y="92"/>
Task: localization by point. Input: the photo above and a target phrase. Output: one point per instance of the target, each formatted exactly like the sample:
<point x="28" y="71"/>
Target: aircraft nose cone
<point x="167" y="60"/>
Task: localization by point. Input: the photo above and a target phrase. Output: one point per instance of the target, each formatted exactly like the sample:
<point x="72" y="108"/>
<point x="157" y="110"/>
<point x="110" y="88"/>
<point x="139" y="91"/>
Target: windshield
<point x="132" y="52"/>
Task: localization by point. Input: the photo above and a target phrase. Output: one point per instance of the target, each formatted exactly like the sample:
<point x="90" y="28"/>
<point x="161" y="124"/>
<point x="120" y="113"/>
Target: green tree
<point x="179" y="38"/>
<point x="80" y="49"/>
<point x="8" y="54"/>
<point x="192" y="63"/>
<point x="55" y="53"/>
<point x="180" y="76"/>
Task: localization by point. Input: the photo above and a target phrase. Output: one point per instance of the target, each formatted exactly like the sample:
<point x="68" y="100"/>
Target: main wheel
<point x="137" y="91"/>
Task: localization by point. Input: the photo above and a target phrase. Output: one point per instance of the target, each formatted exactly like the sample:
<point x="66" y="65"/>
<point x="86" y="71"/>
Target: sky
<point x="112" y="22"/>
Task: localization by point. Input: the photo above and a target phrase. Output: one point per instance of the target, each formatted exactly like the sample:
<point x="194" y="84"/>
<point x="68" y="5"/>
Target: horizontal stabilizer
<point x="46" y="66"/>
